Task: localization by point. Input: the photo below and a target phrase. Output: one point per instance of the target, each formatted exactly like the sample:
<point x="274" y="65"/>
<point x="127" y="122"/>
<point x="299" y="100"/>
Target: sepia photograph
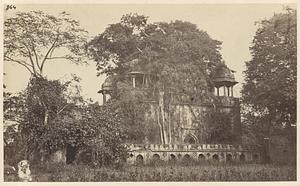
<point x="149" y="92"/>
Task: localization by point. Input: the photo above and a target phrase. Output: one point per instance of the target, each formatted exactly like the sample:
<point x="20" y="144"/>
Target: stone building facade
<point x="183" y="134"/>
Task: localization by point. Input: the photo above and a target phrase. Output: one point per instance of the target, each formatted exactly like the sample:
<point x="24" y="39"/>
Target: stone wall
<point x="183" y="121"/>
<point x="145" y="154"/>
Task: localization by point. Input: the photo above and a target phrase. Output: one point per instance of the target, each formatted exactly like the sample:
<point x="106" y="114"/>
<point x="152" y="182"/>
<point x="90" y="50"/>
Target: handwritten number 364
<point x="8" y="7"/>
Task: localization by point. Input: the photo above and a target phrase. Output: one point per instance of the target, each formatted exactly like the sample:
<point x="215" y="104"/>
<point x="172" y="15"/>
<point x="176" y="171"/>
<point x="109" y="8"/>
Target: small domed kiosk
<point x="224" y="77"/>
<point x="138" y="78"/>
<point x="142" y="79"/>
<point x="106" y="88"/>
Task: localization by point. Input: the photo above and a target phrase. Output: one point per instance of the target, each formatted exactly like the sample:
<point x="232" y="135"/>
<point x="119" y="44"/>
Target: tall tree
<point x="32" y="39"/>
<point x="269" y="92"/>
<point x="178" y="53"/>
<point x="48" y="111"/>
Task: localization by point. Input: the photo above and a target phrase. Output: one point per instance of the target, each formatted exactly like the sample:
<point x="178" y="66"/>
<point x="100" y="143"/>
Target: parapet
<point x="190" y="147"/>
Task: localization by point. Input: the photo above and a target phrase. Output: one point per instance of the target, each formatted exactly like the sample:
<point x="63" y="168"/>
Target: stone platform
<point x="146" y="153"/>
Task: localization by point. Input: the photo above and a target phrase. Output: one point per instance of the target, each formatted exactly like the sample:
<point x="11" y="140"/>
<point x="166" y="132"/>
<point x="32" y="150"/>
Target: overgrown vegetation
<point x="269" y="93"/>
<point x="220" y="129"/>
<point x="52" y="122"/>
<point x="51" y="115"/>
<point x="47" y="117"/>
<point x="177" y="57"/>
<point x="215" y="172"/>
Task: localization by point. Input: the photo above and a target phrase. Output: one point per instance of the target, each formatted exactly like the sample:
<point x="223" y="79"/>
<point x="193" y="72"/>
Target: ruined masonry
<point x="184" y="138"/>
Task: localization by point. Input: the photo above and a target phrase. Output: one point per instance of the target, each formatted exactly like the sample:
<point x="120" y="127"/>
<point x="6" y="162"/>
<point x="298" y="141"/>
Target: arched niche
<point x="190" y="139"/>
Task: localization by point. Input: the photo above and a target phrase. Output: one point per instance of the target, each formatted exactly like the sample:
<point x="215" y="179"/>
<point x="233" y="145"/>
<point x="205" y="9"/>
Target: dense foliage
<point x="220" y="129"/>
<point x="269" y="92"/>
<point x="47" y="110"/>
<point x="178" y="52"/>
<point x="178" y="56"/>
<point x="101" y="130"/>
<point x="14" y="107"/>
<point x="51" y="115"/>
<point x="85" y="126"/>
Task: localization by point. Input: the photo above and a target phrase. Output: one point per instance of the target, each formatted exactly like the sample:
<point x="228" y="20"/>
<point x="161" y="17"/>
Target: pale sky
<point x="231" y="24"/>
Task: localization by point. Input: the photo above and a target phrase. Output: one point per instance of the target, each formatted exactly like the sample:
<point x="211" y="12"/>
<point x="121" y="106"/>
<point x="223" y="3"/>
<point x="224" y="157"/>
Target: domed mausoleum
<point x="184" y="136"/>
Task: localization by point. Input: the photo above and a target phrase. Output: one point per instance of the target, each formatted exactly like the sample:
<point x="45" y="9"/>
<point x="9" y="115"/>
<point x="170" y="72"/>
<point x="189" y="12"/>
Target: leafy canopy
<point x="178" y="52"/>
<point x="31" y="39"/>
<point x="177" y="57"/>
<point x="269" y="92"/>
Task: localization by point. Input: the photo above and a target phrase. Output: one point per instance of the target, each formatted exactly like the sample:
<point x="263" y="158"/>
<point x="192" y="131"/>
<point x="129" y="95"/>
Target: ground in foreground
<point x="222" y="172"/>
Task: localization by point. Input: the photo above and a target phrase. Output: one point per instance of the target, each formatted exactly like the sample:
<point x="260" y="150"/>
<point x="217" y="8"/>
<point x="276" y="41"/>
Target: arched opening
<point x="139" y="160"/>
<point x="228" y="158"/>
<point x="242" y="158"/>
<point x="179" y="156"/>
<point x="71" y="152"/>
<point x="172" y="158"/>
<point x="215" y="157"/>
<point x="255" y="158"/>
<point x="201" y="157"/>
<point x="190" y="139"/>
<point x="156" y="157"/>
<point x="187" y="159"/>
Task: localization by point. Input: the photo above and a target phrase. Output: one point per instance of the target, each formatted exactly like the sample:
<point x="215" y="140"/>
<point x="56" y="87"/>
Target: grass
<point x="222" y="172"/>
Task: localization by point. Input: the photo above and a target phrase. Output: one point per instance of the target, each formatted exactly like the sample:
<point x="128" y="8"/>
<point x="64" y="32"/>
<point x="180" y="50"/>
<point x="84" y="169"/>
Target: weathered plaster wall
<point x="186" y="117"/>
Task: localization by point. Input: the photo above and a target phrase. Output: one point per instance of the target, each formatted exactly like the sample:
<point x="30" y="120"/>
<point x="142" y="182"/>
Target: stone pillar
<point x="146" y="81"/>
<point x="104" y="97"/>
<point x="224" y="91"/>
<point x="218" y="93"/>
<point x="133" y="81"/>
<point x="228" y="91"/>
<point x="232" y="91"/>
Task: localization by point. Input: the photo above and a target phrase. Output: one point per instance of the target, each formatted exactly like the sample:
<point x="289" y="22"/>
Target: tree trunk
<point x="162" y="111"/>
<point x="46" y="117"/>
<point x="170" y="132"/>
<point x="267" y="136"/>
<point x="160" y="128"/>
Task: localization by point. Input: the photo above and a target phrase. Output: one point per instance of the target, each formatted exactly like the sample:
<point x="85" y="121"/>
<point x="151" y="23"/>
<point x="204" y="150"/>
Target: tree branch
<point x="31" y="60"/>
<point x="62" y="109"/>
<point x="139" y="49"/>
<point x="50" y="49"/>
<point x="59" y="57"/>
<point x="19" y="62"/>
<point x="36" y="57"/>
